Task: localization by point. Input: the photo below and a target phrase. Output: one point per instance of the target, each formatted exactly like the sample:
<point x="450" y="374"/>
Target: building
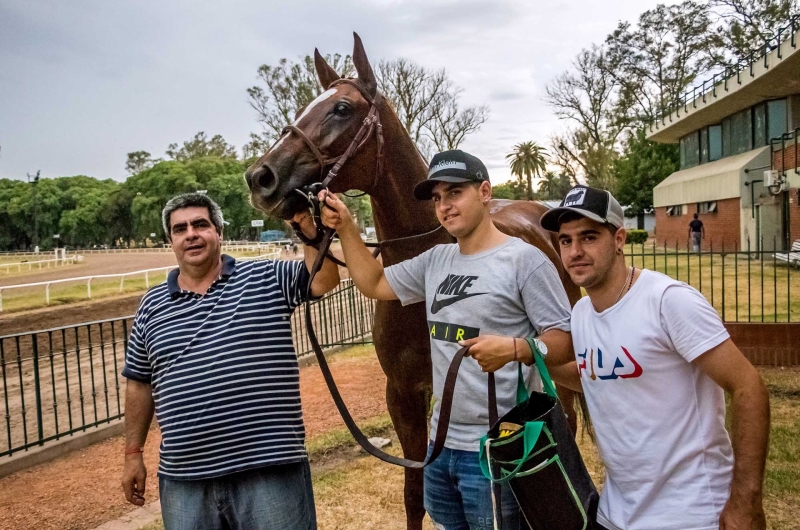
<point x="732" y="129"/>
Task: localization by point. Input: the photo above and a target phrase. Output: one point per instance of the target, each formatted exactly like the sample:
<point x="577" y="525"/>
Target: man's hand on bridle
<point x="305" y="221"/>
<point x="334" y="212"/>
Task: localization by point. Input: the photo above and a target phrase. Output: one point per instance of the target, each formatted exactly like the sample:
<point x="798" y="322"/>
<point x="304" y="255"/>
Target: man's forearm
<point x="750" y="432"/>
<point x="139" y="408"/>
<point x="365" y="270"/>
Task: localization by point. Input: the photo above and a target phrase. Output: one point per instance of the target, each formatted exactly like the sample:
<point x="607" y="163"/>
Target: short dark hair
<point x="568" y="217"/>
<point x="191" y="200"/>
<point x="695" y="216"/>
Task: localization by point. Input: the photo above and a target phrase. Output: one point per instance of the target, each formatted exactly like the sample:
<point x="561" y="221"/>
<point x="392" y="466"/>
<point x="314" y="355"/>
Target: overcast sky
<point x="84" y="82"/>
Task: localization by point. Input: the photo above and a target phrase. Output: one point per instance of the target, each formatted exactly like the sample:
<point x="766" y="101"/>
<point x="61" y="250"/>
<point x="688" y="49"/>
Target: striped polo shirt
<point x="223" y="369"/>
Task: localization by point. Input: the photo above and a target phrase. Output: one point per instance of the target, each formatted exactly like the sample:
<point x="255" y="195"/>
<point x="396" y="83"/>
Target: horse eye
<point x="341" y="109"/>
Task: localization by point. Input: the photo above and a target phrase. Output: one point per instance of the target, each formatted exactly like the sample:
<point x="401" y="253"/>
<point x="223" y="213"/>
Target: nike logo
<point x="438" y="305"/>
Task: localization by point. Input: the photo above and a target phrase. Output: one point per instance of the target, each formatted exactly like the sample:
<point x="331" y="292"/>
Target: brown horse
<point x="401" y="338"/>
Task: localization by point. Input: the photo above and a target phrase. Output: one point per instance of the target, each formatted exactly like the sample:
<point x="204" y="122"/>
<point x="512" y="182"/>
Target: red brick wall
<point x="767" y="344"/>
<point x="785" y="160"/>
<point x="721" y="227"/>
<point x="794" y="215"/>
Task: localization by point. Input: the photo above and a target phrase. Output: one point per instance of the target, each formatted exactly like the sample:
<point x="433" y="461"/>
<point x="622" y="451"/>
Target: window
<point x="707" y="207"/>
<point x="714" y="142"/>
<point x="703" y="145"/>
<point x="726" y="137"/>
<point x="690" y="150"/>
<point x="760" y="125"/>
<point x="776" y="118"/>
<point x="741" y="132"/>
<point x="674" y="211"/>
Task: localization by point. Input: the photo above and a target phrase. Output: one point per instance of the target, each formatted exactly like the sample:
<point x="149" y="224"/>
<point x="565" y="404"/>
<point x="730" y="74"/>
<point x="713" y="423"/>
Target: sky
<point x="84" y="82"/>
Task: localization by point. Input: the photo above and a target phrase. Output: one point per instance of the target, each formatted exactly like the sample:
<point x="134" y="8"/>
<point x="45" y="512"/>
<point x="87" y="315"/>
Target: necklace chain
<point x="628" y="283"/>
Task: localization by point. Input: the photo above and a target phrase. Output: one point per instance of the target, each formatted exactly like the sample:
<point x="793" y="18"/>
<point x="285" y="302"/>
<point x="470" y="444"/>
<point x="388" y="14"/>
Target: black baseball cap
<point x="454" y="166"/>
<point x="596" y="204"/>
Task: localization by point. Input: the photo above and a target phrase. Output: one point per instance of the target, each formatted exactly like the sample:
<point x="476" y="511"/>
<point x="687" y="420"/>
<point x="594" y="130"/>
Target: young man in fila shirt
<point x="655" y="362"/>
<point x="486" y="284"/>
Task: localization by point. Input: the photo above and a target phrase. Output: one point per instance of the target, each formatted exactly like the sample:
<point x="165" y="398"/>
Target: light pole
<point x="35" y="213"/>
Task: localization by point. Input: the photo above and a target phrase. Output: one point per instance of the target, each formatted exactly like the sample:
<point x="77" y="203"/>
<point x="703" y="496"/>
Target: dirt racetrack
<point x="93" y="264"/>
<point x="69" y="314"/>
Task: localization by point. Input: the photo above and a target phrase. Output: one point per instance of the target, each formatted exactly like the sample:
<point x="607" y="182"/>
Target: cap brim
<point x="550" y="220"/>
<point x="423" y="191"/>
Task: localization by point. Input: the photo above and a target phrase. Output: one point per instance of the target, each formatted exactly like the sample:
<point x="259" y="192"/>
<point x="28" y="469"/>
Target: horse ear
<point x="326" y="74"/>
<point x="365" y="74"/>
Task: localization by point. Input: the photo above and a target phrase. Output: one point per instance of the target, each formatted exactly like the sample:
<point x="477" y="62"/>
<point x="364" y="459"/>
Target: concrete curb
<point x="149" y="513"/>
<point x="52" y="450"/>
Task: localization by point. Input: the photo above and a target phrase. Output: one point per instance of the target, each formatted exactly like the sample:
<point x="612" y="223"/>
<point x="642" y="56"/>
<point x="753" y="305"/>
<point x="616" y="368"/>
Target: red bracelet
<point x="133" y="451"/>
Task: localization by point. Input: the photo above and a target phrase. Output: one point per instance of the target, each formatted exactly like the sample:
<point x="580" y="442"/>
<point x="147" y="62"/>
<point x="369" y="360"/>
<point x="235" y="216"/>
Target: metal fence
<point x="60" y="381"/>
<point x="743" y="285"/>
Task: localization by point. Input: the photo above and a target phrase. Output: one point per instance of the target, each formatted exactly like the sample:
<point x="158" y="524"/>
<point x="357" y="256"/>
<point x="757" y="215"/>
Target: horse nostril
<point x="266" y="178"/>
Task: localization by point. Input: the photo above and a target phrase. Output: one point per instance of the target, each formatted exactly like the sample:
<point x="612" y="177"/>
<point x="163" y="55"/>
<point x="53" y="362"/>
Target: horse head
<point x="320" y="134"/>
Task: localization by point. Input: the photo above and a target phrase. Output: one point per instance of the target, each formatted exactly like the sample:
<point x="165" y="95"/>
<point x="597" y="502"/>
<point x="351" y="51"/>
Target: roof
<point x="713" y="181"/>
<point x="775" y="75"/>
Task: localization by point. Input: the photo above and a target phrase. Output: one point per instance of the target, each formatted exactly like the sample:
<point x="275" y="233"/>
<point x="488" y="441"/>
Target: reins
<point x="322" y="242"/>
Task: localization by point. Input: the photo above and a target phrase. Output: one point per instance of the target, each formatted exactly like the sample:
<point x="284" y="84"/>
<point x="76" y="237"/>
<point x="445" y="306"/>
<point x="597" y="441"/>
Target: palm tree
<point x="527" y="160"/>
<point x="548" y="186"/>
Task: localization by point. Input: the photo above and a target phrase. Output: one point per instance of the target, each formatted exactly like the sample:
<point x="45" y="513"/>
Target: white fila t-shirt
<point x="659" y="420"/>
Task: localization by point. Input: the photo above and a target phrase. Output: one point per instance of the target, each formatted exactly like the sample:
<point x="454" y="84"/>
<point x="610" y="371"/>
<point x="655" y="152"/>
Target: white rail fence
<point x="29" y="265"/>
<point x="272" y="254"/>
<point x="226" y="247"/>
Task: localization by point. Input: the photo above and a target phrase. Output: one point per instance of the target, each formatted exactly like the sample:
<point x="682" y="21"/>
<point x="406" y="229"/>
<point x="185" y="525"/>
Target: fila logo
<point x="604" y="366"/>
<point x="575" y="197"/>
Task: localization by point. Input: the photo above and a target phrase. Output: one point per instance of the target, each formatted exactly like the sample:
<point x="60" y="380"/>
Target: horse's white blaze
<point x="322" y="97"/>
<point x="279" y="142"/>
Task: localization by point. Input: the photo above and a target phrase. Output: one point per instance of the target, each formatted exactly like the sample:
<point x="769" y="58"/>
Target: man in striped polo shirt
<point x="211" y="354"/>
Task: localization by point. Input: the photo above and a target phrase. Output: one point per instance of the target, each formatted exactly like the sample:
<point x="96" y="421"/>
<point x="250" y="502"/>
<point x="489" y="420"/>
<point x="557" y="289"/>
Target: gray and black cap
<point x="454" y="166"/>
<point x="595" y="204"/>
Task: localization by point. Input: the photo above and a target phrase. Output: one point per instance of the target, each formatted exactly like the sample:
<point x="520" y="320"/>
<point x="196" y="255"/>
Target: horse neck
<point x="395" y="210"/>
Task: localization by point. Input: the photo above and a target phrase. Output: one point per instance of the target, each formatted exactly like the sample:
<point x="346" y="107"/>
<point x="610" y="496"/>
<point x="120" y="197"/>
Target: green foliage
<point x="512" y="190"/>
<point x="527" y="160"/>
<point x="643" y="165"/>
<point x="636" y="237"/>
<point x="553" y="187"/>
<point x="200" y="146"/>
<point x="139" y="161"/>
<point x="360" y="207"/>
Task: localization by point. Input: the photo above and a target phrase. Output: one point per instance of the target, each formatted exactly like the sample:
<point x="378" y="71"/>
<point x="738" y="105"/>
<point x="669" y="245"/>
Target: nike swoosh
<point x="438" y="305"/>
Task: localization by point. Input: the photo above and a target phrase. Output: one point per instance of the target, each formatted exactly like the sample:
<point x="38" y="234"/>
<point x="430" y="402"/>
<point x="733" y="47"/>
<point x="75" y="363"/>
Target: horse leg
<point x="409" y="412"/>
<point x="403" y="348"/>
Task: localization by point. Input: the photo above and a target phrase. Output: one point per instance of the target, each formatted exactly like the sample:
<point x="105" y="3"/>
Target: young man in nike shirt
<point x="655" y="362"/>
<point x="489" y="289"/>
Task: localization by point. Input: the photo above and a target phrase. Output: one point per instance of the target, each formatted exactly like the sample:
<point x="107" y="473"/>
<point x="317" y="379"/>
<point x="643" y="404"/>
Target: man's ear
<point x="620" y="237"/>
<point x="485" y="191"/>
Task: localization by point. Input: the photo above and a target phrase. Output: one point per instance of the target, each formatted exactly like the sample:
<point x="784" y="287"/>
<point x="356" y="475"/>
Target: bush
<point x="636" y="237"/>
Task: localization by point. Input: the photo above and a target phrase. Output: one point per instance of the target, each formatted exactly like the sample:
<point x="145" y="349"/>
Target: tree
<point x="200" y="146"/>
<point x="288" y="87"/>
<point x="527" y="160"/>
<point x="512" y="190"/>
<point x="643" y="166"/>
<point x="553" y="186"/>
<point x="426" y="102"/>
<point x="587" y="99"/>
<point x="138" y="161"/>
<point x="748" y="25"/>
<point x="361" y="207"/>
<point x="257" y="146"/>
<point x="654" y="61"/>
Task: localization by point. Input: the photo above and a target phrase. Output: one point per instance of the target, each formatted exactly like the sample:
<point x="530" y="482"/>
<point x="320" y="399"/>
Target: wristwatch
<point x="540" y="346"/>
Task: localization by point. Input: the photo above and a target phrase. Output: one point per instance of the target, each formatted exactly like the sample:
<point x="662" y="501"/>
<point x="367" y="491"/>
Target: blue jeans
<point x="459" y="497"/>
<point x="269" y="498"/>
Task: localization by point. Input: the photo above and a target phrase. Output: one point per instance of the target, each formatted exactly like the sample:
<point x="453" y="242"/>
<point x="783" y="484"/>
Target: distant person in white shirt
<point x="654" y="361"/>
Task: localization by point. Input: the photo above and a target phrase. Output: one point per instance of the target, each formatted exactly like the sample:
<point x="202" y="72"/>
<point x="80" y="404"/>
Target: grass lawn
<point x="361" y="492"/>
<point x="741" y="287"/>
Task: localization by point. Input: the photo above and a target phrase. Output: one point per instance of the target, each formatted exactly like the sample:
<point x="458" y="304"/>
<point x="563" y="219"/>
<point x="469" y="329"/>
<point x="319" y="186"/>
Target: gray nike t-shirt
<point x="511" y="290"/>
